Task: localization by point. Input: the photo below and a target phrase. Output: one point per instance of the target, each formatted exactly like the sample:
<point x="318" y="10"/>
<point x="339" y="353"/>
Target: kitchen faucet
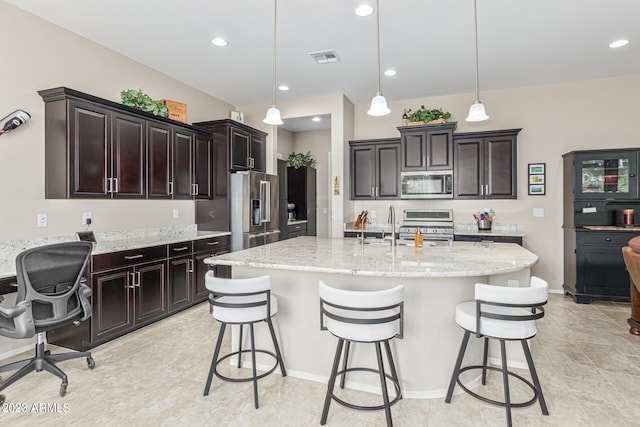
<point x="392" y="220"/>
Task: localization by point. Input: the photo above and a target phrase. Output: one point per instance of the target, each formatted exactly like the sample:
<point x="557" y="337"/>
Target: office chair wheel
<point x="63" y="389"/>
<point x="91" y="363"/>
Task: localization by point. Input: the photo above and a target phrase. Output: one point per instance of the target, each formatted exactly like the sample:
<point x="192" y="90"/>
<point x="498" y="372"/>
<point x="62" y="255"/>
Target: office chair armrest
<point x="12" y="312"/>
<point x="84" y="293"/>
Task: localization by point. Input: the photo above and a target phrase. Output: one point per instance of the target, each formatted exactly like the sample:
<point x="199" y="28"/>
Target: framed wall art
<point x="537" y="181"/>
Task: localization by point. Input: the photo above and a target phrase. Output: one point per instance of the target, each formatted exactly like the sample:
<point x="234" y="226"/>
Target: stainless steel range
<point x="436" y="225"/>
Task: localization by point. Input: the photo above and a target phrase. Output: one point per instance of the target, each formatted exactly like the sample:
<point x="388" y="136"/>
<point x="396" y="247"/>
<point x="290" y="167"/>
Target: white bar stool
<point x="242" y="302"/>
<point x="505" y="314"/>
<point x="364" y="317"/>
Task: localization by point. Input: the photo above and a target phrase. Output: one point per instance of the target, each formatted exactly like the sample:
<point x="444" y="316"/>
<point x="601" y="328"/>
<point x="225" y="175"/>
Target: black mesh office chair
<point x="51" y="293"/>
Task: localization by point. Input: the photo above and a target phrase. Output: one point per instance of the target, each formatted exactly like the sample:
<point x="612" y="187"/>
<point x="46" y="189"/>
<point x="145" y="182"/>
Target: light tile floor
<point x="588" y="363"/>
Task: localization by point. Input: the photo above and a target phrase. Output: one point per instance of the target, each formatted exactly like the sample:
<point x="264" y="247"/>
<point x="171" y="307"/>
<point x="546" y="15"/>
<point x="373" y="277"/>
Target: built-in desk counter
<point x="435" y="279"/>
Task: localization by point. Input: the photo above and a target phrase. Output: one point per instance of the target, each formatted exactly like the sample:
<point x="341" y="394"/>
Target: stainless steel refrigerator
<point x="254" y="209"/>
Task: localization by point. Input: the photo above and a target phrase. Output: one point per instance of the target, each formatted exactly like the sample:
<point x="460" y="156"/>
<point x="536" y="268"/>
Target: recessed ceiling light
<point x="316" y="119"/>
<point x="390" y="73"/>
<point x="219" y="41"/>
<point x="364" y="10"/>
<point x="619" y="43"/>
<point x="283" y="87"/>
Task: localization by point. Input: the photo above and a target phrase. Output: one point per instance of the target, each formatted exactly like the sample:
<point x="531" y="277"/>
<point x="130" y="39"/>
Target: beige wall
<point x="555" y="119"/>
<point x="319" y="143"/>
<point x="38" y="55"/>
<point x="284" y="144"/>
<point x="341" y="111"/>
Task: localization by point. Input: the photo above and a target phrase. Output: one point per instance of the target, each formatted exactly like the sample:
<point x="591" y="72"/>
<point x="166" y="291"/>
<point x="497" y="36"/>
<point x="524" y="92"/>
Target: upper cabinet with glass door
<point x="606" y="174"/>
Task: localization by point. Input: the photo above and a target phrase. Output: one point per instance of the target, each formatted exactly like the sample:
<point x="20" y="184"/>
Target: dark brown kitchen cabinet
<point x="247" y="146"/>
<point x="375" y="169"/>
<point x="427" y="147"/>
<point x="180" y="275"/>
<point x="102" y="154"/>
<point x="158" y="160"/>
<point x="485" y="165"/>
<point x="129" y="290"/>
<point x="182" y="164"/>
<point x="192" y="164"/>
<point x="95" y="148"/>
<point x="205" y="248"/>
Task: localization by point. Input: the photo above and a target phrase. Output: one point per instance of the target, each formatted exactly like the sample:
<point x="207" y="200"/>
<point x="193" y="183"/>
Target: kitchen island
<point x="436" y="279"/>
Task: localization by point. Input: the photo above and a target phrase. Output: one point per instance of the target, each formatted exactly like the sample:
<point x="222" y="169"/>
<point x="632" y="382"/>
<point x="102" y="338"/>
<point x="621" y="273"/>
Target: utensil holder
<point x="484" y="225"/>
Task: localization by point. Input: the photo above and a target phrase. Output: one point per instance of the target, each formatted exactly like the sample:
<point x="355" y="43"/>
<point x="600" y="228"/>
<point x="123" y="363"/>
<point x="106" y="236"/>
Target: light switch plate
<point x="538" y="212"/>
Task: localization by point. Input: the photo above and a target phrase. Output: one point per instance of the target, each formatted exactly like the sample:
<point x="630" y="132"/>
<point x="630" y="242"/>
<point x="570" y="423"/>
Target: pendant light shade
<point x="273" y="114"/>
<point x="378" y="106"/>
<point x="476" y="112"/>
<point x="378" y="103"/>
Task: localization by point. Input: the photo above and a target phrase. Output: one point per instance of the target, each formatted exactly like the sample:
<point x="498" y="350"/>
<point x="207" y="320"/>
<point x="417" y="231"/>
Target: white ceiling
<point x="430" y="43"/>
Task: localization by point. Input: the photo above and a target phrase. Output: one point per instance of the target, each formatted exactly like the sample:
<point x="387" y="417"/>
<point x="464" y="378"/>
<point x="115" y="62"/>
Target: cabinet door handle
<point x="251" y="162"/>
<point x="193" y="190"/>
<point x="190" y="266"/>
<point x="109" y="185"/>
<point x="482" y="190"/>
<point x="213" y="243"/>
<point x="130" y="279"/>
<point x="197" y="189"/>
<point x="133" y="256"/>
<point x="171" y="187"/>
<point x="137" y="284"/>
<point x="115" y="187"/>
<point x="607" y="239"/>
<point x="183" y="248"/>
<point x="373" y="191"/>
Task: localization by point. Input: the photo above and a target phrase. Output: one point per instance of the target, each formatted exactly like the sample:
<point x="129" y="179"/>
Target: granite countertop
<point x="143" y="242"/>
<point x="127" y="240"/>
<point x="633" y="228"/>
<point x="467" y="229"/>
<point x="347" y="256"/>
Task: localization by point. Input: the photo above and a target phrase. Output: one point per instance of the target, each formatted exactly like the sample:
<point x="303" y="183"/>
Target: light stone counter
<point x="107" y="242"/>
<point x="348" y="256"/>
<point x="435" y="281"/>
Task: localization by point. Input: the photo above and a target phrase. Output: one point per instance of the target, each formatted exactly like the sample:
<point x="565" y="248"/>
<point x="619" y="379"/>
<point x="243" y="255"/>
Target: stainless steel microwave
<point x="427" y="185"/>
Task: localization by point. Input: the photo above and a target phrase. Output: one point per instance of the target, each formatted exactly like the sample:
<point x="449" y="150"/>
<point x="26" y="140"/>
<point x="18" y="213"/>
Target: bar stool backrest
<point x="362" y="316"/>
<point x="508" y="304"/>
<point x="239" y="300"/>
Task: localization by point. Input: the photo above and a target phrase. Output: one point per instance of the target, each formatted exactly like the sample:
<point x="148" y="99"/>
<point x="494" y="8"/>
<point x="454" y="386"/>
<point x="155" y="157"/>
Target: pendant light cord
<point x="475" y="17"/>
<point x="275" y="24"/>
<point x="378" y="37"/>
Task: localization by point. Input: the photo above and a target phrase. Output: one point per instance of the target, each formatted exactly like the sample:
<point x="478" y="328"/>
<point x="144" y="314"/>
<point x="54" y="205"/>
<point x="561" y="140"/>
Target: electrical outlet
<point x="176" y="213"/>
<point x="86" y="218"/>
<point x="42" y="220"/>
<point x="372" y="214"/>
<point x="324" y="211"/>
<point x="538" y="212"/>
<point x="513" y="283"/>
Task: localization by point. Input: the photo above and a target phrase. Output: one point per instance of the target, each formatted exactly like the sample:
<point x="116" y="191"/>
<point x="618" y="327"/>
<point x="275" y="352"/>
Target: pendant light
<point x="378" y="103"/>
<point x="476" y="112"/>
<point x="273" y="114"/>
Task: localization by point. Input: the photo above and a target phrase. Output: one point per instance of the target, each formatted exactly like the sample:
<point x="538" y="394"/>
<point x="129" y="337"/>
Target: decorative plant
<point x="141" y="101"/>
<point x="424" y="115"/>
<point x="299" y="159"/>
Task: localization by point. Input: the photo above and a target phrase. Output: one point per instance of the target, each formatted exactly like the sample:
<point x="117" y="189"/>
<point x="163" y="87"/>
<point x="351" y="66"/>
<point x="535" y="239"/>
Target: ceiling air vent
<point x="325" y="56"/>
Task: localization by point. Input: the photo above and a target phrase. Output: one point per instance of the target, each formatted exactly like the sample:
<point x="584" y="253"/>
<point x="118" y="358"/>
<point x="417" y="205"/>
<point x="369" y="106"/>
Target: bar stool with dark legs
<point x="362" y="317"/>
<point x="242" y="302"/>
<point x="505" y="314"/>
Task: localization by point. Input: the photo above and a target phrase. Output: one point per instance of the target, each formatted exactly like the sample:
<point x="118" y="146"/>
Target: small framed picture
<point x="237" y="116"/>
<point x="536" y="189"/>
<point x="537" y="180"/>
<point x="536" y="168"/>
